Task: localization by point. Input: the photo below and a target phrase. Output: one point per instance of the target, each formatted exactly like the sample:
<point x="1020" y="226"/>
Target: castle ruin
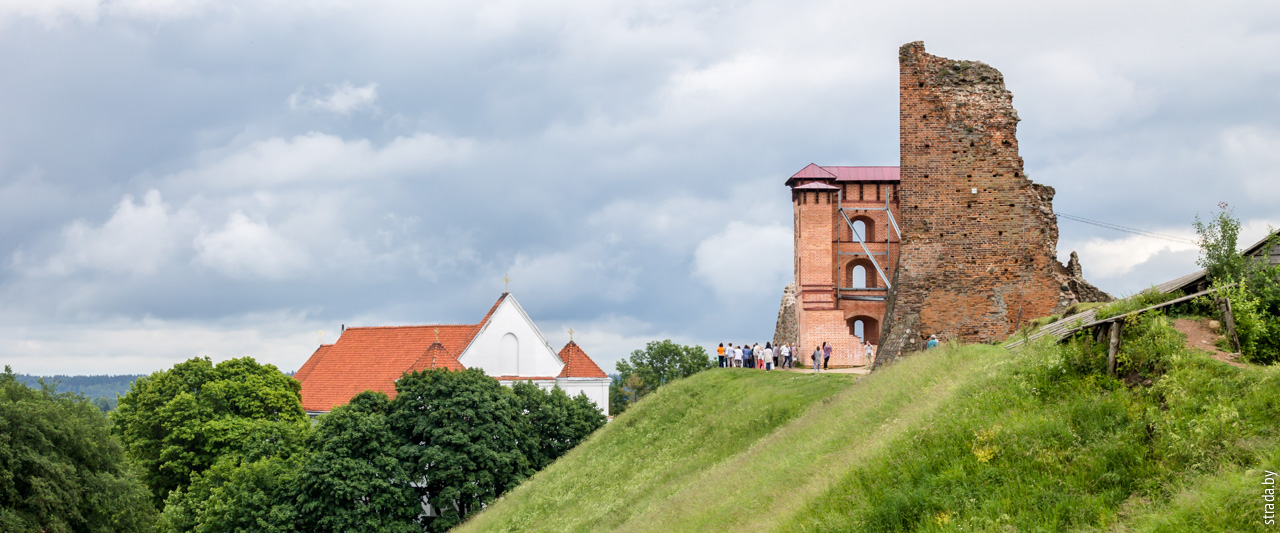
<point x="956" y="241"/>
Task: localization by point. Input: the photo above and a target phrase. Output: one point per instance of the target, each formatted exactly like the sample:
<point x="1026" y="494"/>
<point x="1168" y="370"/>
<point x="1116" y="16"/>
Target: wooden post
<point x="1113" y="348"/>
<point x="1230" y="321"/>
<point x="1101" y="333"/>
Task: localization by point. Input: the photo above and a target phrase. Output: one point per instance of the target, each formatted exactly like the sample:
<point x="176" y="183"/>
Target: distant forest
<point x="101" y="390"/>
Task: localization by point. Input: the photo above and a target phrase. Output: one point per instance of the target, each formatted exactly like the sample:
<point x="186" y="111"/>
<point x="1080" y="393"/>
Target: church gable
<point x="509" y="344"/>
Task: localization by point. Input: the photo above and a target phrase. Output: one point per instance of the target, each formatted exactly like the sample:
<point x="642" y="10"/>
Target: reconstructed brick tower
<point x="956" y="241"/>
<point x="846" y="242"/>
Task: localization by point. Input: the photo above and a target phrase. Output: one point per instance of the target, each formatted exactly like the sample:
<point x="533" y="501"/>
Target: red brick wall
<point x="824" y="248"/>
<point x="970" y="262"/>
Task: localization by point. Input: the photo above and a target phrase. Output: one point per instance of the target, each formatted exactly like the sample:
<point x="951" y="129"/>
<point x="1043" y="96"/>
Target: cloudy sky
<point x="190" y="177"/>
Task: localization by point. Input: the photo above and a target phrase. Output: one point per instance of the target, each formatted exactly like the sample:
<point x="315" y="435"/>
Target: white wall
<point x="596" y="389"/>
<point x="536" y="358"/>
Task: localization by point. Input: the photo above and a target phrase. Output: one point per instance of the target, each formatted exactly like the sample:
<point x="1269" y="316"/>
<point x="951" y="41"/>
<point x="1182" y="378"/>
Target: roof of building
<point x="311" y="363"/>
<point x="843" y="174"/>
<point x="577" y="364"/>
<point x="437" y="356"/>
<point x="816" y="185"/>
<point x="373" y="358"/>
<point x="1197" y="279"/>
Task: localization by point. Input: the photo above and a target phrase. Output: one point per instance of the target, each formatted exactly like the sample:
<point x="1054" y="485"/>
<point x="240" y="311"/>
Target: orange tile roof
<point x="577" y="364"/>
<point x="437" y="356"/>
<point x="373" y="358"/>
<point x="311" y="363"/>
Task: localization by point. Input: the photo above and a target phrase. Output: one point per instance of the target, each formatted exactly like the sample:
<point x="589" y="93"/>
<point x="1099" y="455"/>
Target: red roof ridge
<point x="489" y="315"/>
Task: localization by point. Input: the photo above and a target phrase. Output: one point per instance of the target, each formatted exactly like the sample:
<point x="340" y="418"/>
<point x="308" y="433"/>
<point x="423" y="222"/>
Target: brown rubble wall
<point x="979" y="249"/>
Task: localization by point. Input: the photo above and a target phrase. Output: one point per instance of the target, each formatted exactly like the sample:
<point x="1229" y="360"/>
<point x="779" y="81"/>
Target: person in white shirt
<point x="768" y="357"/>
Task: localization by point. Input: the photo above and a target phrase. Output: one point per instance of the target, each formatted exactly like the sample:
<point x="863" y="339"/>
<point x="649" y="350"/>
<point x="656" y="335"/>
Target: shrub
<point x="1138" y="301"/>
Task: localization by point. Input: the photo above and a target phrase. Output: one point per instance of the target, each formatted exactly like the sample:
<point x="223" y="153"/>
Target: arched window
<point x="858" y="277"/>
<point x="860" y="230"/>
<point x="864" y="327"/>
<point x="509" y="355"/>
<point x="864" y="226"/>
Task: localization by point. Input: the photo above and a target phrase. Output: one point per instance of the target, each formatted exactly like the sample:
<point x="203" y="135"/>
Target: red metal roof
<point x="865" y="173"/>
<point x="813" y="171"/>
<point x="845" y="174"/>
<point x="816" y="185"/>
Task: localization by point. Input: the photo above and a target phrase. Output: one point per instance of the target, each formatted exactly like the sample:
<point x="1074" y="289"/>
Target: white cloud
<point x="51" y="13"/>
<point x="320" y="157"/>
<point x="1108" y="258"/>
<point x="157" y="9"/>
<point x="136" y="240"/>
<point x="1254" y="153"/>
<point x="592" y="270"/>
<point x="1079" y="92"/>
<point x="246" y="249"/>
<point x="144" y="345"/>
<point x="745" y="259"/>
<point x="344" y="99"/>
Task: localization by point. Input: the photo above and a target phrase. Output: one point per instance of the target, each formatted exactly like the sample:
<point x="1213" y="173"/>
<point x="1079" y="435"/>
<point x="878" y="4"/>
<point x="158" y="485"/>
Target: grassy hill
<point x="960" y="438"/>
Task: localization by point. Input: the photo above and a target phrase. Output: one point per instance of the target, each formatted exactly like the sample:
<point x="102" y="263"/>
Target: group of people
<point x="784" y="356"/>
<point x="755" y="356"/>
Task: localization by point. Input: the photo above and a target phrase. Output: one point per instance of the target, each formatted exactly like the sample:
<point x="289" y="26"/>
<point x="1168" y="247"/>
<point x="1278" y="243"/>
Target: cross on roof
<point x="570" y="334"/>
<point x="506" y="281"/>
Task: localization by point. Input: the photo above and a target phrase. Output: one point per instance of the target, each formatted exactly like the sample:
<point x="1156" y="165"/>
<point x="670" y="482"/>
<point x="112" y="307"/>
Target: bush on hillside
<point x="1142" y="300"/>
<point x="1147" y="341"/>
<point x="1252" y="285"/>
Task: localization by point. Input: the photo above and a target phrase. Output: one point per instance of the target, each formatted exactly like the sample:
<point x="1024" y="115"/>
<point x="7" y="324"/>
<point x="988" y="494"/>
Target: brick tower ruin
<point x="956" y="241"/>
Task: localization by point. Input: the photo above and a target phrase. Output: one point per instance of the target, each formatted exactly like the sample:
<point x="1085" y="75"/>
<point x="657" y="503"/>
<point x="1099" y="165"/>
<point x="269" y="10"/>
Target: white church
<point x="505" y="344"/>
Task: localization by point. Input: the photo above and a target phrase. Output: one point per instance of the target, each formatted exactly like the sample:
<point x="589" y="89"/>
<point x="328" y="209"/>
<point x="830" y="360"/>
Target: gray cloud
<point x="185" y="177"/>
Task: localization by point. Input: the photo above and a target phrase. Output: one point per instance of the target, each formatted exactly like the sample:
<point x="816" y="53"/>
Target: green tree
<point x="179" y="422"/>
<point x="464" y="432"/>
<point x="658" y="363"/>
<point x="1252" y="285"/>
<point x="236" y="494"/>
<point x="354" y="479"/>
<point x="623" y="393"/>
<point x="60" y="467"/>
<point x="1219" y="256"/>
<point x="558" y="423"/>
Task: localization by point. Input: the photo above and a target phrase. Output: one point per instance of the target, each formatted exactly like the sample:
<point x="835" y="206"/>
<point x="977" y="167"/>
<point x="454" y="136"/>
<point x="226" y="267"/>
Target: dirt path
<point x="1200" y="337"/>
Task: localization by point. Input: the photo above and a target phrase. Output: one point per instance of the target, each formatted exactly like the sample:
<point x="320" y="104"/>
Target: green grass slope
<point x="960" y="438"/>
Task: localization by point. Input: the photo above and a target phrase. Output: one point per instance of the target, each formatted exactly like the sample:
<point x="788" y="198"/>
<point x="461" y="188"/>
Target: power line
<point x="1127" y="229"/>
